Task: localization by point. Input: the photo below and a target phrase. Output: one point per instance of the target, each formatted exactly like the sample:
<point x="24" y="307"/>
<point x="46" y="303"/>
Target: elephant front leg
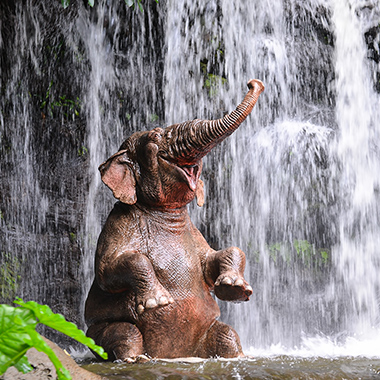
<point x="225" y="270"/>
<point x="220" y="340"/>
<point x="121" y="340"/>
<point x="134" y="272"/>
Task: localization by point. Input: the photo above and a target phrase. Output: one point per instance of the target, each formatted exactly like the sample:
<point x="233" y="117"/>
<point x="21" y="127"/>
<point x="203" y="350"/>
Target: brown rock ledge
<point x="44" y="369"/>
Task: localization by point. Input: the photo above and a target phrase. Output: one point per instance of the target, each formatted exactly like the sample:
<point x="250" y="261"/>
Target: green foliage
<point x="82" y="151"/>
<point x="212" y="82"/>
<point x="304" y="250"/>
<point x="47" y="95"/>
<point x="153" y="118"/>
<point x="65" y="3"/>
<point x="73" y="237"/>
<point x="9" y="275"/>
<point x="301" y="250"/>
<point x="274" y="250"/>
<point x="325" y="256"/>
<point x="130" y="3"/>
<point x="69" y="107"/>
<point x="309" y="253"/>
<point x="133" y="3"/>
<point x="18" y="334"/>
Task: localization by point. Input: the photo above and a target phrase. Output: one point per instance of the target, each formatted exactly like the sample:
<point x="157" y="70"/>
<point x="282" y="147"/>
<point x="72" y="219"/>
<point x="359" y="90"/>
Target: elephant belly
<point x="177" y="329"/>
<point x="172" y="331"/>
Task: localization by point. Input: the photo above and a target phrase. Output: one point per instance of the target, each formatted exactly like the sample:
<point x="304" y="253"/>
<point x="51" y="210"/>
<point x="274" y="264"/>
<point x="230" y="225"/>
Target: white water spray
<point x="357" y="113"/>
<point x="102" y="124"/>
<point x="298" y="179"/>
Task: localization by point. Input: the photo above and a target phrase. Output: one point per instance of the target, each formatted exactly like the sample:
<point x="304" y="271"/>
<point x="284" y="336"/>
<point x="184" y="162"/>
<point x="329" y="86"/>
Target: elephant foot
<point x="121" y="340"/>
<point x="158" y="296"/>
<point x="136" y="359"/>
<point x="230" y="286"/>
<point x="221" y="340"/>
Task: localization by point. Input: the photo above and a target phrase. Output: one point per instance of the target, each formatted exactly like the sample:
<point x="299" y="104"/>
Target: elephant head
<point x="161" y="168"/>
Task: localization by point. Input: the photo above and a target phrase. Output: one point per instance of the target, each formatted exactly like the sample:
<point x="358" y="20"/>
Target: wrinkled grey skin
<point x="153" y="269"/>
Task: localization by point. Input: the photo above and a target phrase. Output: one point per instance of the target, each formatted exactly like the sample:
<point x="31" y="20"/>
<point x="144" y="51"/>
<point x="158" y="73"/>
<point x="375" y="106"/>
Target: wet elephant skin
<point x="154" y="270"/>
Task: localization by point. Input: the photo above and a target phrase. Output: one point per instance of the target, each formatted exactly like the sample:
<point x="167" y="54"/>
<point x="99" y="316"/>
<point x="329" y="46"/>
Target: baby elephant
<point x="153" y="269"/>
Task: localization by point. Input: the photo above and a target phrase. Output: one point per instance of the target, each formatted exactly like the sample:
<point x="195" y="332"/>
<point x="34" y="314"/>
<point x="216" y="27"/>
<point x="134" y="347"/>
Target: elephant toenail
<point x="142" y="359"/>
<point x="151" y="303"/>
<point x="226" y="281"/>
<point x="239" y="282"/>
<point x="140" y="309"/>
<point x="163" y="301"/>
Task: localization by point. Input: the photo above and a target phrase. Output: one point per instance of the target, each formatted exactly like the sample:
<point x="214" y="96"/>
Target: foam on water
<point x="325" y="347"/>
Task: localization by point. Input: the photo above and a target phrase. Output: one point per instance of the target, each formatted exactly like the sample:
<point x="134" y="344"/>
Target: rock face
<point x="44" y="369"/>
<point x="45" y="207"/>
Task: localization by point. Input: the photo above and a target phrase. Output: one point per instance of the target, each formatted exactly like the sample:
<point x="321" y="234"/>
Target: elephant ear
<point x="200" y="194"/>
<point x="118" y="175"/>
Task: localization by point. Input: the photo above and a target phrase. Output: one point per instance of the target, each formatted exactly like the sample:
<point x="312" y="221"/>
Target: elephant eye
<point x="159" y="130"/>
<point x="155" y="135"/>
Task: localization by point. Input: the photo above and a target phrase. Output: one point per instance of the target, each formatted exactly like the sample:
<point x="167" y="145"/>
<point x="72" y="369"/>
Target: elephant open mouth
<point x="189" y="172"/>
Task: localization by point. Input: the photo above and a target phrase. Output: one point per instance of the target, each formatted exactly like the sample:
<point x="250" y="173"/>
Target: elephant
<point x="154" y="271"/>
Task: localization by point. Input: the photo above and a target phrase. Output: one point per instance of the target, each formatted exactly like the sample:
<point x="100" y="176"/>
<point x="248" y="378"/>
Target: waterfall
<point x="74" y="86"/>
<point x="296" y="187"/>
<point x="358" y="116"/>
<point x="104" y="129"/>
<point x="286" y="187"/>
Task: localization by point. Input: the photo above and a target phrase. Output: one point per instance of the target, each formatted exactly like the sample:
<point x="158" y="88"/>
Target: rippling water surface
<point x="275" y="367"/>
<point x="317" y="358"/>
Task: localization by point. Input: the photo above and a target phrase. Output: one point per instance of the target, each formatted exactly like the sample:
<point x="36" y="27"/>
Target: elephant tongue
<point x="191" y="173"/>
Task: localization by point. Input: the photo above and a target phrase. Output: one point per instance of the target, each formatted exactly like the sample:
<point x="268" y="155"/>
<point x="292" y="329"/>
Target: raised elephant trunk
<point x="188" y="142"/>
<point x="153" y="268"/>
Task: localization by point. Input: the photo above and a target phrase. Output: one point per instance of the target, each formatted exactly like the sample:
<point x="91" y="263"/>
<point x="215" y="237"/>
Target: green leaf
<point x="91" y="3"/>
<point x="18" y="334"/>
<point x="129" y="3"/>
<point x="65" y="3"/>
<point x="57" y="321"/>
<point x="325" y="256"/>
<point x="40" y="345"/>
<point x="14" y="340"/>
<point x="23" y="365"/>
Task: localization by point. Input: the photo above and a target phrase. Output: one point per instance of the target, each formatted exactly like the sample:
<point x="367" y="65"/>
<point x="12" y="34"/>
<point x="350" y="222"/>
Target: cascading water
<point x="356" y="257"/>
<point x="296" y="187"/>
<point x="72" y="91"/>
<point x="285" y="187"/>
